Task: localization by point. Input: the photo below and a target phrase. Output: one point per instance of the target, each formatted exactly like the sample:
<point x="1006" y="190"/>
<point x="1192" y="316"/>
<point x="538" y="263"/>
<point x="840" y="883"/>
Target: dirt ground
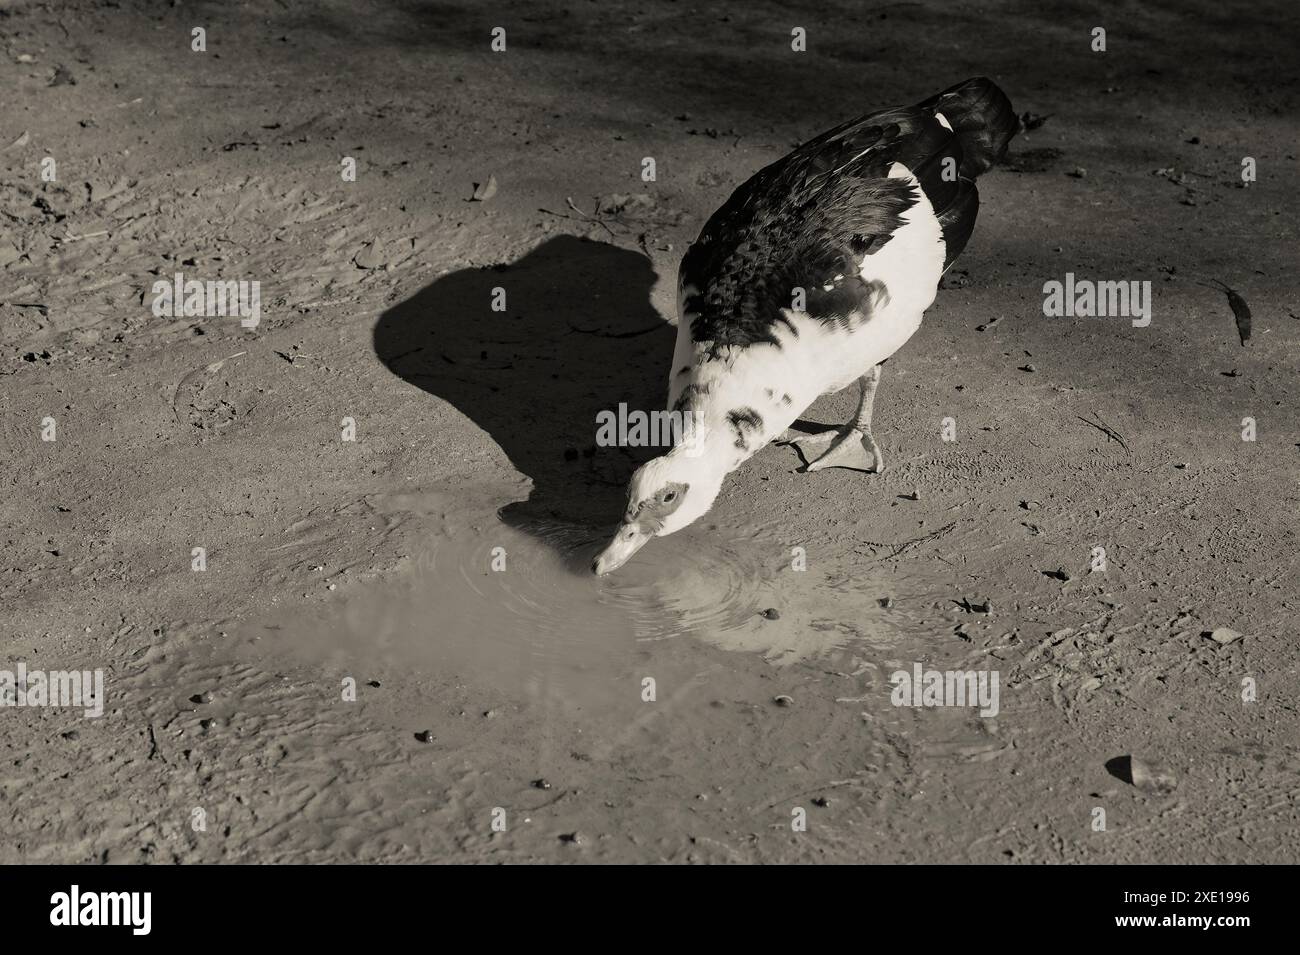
<point x="329" y="560"/>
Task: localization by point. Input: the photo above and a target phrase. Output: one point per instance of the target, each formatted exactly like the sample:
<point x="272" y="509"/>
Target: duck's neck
<point x="746" y="401"/>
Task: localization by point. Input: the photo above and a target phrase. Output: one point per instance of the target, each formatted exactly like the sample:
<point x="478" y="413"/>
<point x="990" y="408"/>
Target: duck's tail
<point x="982" y="118"/>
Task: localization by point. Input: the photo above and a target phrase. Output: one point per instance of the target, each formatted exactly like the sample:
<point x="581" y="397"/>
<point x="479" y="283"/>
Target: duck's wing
<point x="807" y="220"/>
<point x="804" y="223"/>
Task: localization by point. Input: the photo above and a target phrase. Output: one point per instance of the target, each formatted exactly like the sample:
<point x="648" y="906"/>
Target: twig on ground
<point x="899" y="548"/>
<point x="588" y="218"/>
<point x="600" y="334"/>
<point x="1105" y="429"/>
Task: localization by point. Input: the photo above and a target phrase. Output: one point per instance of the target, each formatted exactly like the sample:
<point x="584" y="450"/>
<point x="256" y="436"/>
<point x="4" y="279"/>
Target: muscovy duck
<point x="807" y="279"/>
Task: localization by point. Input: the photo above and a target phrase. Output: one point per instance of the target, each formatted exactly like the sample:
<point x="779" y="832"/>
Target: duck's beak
<point x="629" y="539"/>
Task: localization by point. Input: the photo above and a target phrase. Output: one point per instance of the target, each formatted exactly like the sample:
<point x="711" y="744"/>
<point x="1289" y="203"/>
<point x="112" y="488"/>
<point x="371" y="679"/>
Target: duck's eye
<point x="670" y="497"/>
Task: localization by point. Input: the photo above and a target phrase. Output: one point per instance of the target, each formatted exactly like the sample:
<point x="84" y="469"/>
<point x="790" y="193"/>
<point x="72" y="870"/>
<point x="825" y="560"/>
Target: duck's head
<point x="663" y="496"/>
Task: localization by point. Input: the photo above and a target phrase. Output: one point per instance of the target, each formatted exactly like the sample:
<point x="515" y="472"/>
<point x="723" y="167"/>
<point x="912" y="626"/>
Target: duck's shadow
<point x="577" y="336"/>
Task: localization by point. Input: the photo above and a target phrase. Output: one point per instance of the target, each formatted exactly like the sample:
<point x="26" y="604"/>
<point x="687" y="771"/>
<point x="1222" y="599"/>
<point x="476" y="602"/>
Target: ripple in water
<point x="683" y="585"/>
<point x="546" y="626"/>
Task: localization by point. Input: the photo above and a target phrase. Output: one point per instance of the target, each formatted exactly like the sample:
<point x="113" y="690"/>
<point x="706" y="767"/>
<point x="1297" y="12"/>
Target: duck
<point x="805" y="281"/>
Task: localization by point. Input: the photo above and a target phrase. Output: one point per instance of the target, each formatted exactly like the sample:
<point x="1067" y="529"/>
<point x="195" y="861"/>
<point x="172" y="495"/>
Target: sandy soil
<point x="330" y="559"/>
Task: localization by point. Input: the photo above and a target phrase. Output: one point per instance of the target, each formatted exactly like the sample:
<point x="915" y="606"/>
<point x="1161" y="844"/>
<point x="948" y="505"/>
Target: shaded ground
<point x="178" y="433"/>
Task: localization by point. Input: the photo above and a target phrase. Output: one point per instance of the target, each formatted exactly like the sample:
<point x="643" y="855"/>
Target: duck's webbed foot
<point x="853" y="446"/>
<point x="849" y="448"/>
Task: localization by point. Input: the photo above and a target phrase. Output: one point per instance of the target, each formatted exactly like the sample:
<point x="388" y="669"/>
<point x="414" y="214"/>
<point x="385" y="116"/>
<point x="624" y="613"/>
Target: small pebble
<point x="886" y="602"/>
<point x="1225" y="635"/>
<point x="572" y="838"/>
<point x="770" y="613"/>
<point x="784" y="700"/>
<point x="424" y="736"/>
<point x="201" y="698"/>
<point x="541" y="784"/>
<point x="1152" y="778"/>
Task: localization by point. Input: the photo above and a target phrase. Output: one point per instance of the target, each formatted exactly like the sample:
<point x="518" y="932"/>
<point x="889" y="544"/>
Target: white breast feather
<point x="823" y="358"/>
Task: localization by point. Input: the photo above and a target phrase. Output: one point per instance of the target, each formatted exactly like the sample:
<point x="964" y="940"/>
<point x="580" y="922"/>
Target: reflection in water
<point x="542" y="626"/>
<point x="673" y="586"/>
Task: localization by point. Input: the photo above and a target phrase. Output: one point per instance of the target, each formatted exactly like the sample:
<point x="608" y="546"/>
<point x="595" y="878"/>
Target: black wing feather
<point x="813" y="214"/>
<point x="796" y="224"/>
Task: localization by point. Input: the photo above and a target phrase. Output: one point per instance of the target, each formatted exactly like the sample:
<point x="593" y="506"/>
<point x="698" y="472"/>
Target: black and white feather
<point x="809" y="220"/>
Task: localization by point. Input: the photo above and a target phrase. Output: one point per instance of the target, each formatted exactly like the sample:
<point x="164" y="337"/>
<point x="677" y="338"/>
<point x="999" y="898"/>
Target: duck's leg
<point x="853" y="446"/>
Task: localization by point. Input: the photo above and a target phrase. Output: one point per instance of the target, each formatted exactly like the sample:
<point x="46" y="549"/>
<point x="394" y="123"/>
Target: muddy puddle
<point x="517" y="608"/>
<point x="492" y="670"/>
